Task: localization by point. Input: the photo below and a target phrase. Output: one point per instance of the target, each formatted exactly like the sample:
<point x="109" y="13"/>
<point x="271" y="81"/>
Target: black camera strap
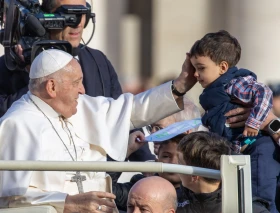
<point x="7" y="40"/>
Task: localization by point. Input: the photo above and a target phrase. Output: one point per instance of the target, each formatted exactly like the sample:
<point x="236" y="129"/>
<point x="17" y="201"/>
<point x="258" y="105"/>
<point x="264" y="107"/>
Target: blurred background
<point x="147" y="40"/>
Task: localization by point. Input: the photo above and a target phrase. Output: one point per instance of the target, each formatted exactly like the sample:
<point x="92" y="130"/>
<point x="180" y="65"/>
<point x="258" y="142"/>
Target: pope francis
<point x="56" y="121"/>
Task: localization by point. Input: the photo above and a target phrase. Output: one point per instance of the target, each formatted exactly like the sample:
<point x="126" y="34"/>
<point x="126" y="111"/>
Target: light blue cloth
<point x="173" y="130"/>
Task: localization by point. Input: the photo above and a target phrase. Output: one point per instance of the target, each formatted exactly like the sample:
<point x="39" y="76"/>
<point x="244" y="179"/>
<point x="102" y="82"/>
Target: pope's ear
<point x="51" y="88"/>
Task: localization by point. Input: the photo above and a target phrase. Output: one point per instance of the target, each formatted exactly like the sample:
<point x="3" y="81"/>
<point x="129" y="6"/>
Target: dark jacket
<point x="100" y="79"/>
<point x="202" y="203"/>
<point x="13" y="84"/>
<point x="212" y="203"/>
<point x="216" y="102"/>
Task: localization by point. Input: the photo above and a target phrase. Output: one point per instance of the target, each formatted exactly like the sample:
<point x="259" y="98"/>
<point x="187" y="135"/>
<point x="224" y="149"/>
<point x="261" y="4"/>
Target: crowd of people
<point x="67" y="107"/>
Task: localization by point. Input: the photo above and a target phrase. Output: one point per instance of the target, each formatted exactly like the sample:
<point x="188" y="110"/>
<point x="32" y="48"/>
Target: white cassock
<point x="100" y="126"/>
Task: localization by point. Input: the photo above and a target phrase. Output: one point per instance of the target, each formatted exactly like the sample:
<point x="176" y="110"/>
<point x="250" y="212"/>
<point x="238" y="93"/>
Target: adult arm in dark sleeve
<point x="13" y="84"/>
<point x="116" y="89"/>
<point x="7" y="100"/>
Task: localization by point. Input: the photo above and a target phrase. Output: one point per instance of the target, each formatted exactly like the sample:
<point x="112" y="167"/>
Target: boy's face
<point x="168" y="154"/>
<point x="186" y="179"/>
<point x="206" y="71"/>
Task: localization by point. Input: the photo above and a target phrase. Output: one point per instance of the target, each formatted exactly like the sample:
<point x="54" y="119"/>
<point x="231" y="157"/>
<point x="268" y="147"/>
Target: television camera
<point x="24" y="22"/>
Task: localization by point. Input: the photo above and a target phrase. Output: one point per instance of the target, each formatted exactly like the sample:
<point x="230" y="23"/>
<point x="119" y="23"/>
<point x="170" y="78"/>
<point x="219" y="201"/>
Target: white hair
<point x="35" y="85"/>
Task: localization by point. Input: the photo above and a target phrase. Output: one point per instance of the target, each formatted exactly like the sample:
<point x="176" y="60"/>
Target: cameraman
<point x="100" y="78"/>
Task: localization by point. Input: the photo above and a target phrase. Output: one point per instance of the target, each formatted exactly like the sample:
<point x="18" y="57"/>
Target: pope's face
<point x="69" y="90"/>
<point x="72" y="35"/>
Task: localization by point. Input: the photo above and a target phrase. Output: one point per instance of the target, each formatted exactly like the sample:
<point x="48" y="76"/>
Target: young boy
<point x="204" y="149"/>
<point x="214" y="58"/>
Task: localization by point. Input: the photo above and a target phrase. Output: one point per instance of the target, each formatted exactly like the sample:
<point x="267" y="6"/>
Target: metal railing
<point x="235" y="172"/>
<point x="98" y="166"/>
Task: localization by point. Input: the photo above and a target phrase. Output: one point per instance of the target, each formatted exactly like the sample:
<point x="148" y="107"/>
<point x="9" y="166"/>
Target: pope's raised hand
<point x="186" y="79"/>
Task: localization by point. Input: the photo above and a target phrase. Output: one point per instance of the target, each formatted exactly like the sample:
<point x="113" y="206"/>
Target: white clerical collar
<point x="47" y="109"/>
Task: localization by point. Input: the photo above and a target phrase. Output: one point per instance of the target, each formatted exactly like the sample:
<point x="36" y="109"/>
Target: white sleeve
<point x="153" y="105"/>
<point x="106" y="122"/>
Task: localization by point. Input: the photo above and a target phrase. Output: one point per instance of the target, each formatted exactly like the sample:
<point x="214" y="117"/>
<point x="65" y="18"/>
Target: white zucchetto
<point x="48" y="62"/>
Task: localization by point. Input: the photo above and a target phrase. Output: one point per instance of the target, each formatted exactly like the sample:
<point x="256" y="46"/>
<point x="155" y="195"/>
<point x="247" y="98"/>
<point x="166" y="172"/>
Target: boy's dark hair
<point x="176" y="140"/>
<point x="204" y="149"/>
<point x="219" y="46"/>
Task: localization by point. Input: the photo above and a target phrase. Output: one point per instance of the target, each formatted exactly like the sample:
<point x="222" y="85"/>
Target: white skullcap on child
<point x="48" y="62"/>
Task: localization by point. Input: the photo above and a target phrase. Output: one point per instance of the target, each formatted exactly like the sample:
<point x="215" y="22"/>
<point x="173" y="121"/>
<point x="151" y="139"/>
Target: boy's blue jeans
<point x="265" y="169"/>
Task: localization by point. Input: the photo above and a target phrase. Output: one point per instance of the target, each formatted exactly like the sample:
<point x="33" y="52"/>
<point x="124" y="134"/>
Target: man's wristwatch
<point x="274" y="126"/>
<point x="175" y="91"/>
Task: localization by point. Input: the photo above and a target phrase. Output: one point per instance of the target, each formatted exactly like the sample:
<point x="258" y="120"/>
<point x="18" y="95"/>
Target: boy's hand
<point x="135" y="141"/>
<point x="186" y="79"/>
<point x="240" y="116"/>
<point x="250" y="132"/>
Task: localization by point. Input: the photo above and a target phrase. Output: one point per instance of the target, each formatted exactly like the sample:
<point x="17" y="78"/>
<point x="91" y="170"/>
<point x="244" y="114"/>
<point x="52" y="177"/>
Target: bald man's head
<point x="152" y="194"/>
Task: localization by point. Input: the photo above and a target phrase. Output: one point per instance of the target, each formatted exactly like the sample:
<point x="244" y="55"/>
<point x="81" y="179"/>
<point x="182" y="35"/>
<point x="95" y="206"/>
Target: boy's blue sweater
<point x="216" y="102"/>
